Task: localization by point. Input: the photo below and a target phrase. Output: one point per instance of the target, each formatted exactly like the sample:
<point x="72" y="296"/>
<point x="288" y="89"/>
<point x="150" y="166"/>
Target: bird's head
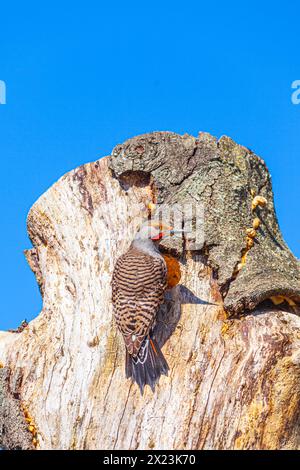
<point x="156" y="231"/>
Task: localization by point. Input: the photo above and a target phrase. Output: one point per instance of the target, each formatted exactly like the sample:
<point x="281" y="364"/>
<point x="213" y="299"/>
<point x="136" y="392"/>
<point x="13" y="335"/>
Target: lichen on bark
<point x="14" y="434"/>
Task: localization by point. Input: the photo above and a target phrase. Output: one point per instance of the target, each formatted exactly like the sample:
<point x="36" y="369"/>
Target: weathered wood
<point x="234" y="380"/>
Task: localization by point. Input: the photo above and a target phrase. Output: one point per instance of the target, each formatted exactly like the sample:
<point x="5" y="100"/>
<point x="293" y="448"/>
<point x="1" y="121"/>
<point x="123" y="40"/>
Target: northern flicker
<point x="138" y="284"/>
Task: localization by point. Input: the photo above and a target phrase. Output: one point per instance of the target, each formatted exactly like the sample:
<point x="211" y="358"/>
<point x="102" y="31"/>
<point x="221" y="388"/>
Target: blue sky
<point x="84" y="76"/>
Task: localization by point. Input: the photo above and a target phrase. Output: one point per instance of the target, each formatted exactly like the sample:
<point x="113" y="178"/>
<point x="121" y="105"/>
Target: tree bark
<point x="229" y="329"/>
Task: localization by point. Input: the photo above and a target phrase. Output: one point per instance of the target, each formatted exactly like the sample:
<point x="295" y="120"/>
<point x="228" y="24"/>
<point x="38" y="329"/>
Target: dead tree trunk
<point x="229" y="330"/>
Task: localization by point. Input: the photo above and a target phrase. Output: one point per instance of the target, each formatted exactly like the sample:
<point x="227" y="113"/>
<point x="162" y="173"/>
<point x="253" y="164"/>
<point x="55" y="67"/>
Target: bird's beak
<point x="177" y="231"/>
<point x="172" y="232"/>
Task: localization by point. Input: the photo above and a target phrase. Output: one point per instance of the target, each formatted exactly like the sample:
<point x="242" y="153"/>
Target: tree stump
<point x="230" y="329"/>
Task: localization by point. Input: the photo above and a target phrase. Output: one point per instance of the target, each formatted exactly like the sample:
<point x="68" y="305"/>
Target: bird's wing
<point x="138" y="285"/>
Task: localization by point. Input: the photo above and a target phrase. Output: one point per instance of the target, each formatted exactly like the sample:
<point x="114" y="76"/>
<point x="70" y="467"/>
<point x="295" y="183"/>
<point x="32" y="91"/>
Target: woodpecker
<point x="138" y="284"/>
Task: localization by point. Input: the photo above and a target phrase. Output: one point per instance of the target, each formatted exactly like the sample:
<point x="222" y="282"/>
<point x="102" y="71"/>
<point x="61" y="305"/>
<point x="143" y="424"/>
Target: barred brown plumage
<point x="138" y="284"/>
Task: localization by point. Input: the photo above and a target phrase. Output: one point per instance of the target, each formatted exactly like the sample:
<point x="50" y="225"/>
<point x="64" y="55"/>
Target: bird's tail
<point x="147" y="366"/>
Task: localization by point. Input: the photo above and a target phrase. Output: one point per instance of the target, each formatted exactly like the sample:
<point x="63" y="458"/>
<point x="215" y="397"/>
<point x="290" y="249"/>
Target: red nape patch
<point x="158" y="237"/>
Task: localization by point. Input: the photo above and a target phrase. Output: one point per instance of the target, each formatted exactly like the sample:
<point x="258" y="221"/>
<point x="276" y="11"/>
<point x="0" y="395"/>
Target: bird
<point x="139" y="281"/>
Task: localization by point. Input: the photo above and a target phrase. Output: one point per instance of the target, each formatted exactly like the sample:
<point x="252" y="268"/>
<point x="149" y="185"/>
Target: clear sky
<point x="84" y="76"/>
